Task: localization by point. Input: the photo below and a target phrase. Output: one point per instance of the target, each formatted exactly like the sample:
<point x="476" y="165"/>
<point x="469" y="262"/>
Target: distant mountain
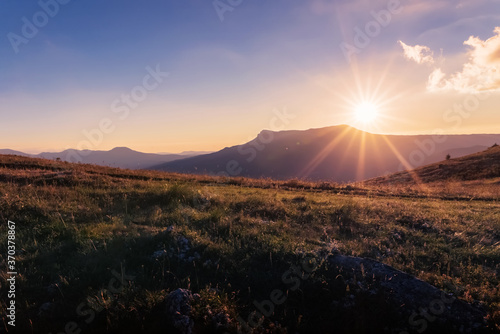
<point x="338" y="153"/>
<point x="12" y="152"/>
<point x="189" y="153"/>
<point x="193" y="153"/>
<point x="477" y="166"/>
<point x="121" y="157"/>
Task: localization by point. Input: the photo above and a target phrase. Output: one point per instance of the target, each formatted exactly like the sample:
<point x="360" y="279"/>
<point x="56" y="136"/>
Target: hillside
<point x="479" y="166"/>
<point x="112" y="250"/>
<point x="338" y="153"/>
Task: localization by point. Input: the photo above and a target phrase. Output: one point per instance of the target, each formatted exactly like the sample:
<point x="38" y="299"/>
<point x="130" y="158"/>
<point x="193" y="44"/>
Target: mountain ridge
<point x="337" y="153"/>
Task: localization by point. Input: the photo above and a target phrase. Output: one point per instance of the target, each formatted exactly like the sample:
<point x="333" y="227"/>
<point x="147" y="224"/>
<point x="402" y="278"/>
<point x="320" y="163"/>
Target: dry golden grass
<point x="78" y="222"/>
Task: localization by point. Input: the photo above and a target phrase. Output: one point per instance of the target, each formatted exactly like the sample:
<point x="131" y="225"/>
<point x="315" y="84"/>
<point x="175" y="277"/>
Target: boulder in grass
<point x="179" y="308"/>
<point x="420" y="305"/>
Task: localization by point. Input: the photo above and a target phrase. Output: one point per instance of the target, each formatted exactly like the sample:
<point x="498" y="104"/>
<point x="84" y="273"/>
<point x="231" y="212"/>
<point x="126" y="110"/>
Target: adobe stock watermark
<point x="121" y="107"/>
<point x="12" y="273"/>
<point x="31" y="26"/>
<point x="223" y="6"/>
<point x="251" y="150"/>
<point x="363" y="36"/>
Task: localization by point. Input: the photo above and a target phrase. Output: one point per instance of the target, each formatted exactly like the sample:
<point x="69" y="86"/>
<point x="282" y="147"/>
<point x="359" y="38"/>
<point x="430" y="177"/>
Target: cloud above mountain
<point x="419" y="53"/>
<point x="481" y="72"/>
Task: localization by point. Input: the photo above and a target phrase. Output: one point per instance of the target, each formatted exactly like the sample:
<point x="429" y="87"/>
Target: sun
<point x="366" y="112"/>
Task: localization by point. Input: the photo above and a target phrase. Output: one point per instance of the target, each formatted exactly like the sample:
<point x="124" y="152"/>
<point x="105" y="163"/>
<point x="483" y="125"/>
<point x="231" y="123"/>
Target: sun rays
<point x="365" y="102"/>
<point x="366" y="112"/>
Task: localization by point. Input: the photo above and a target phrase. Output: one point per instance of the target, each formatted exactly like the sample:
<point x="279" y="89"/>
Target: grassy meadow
<point x="99" y="249"/>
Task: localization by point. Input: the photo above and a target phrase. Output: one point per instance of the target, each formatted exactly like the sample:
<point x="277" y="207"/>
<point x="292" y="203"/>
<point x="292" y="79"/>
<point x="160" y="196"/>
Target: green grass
<point x="77" y="225"/>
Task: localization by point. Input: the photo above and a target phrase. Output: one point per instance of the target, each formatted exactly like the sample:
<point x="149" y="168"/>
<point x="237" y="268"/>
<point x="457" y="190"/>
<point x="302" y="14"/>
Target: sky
<point x="181" y="75"/>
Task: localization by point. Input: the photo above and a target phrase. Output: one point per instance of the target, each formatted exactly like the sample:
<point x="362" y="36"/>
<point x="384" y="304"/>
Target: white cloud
<point x="435" y="78"/>
<point x="419" y="53"/>
<point x="481" y="73"/>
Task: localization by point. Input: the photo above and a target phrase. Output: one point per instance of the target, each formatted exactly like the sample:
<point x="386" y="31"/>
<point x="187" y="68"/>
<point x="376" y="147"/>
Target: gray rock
<point x="159" y="254"/>
<point x="47" y="310"/>
<point x="178" y="305"/>
<point x="53" y="289"/>
<point x="414" y="297"/>
<point x="221" y="321"/>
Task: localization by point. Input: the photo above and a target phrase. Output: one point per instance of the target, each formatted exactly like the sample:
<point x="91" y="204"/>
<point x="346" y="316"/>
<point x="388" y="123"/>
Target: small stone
<point x="159" y="254"/>
<point x="47" y="310"/>
<point x="179" y="308"/>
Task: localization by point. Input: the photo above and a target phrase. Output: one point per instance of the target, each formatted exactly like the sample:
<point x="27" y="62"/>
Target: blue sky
<point x="227" y="78"/>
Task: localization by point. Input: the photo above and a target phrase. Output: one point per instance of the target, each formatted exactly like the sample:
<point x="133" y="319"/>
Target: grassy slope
<point x="78" y="223"/>
<point x="479" y="166"/>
